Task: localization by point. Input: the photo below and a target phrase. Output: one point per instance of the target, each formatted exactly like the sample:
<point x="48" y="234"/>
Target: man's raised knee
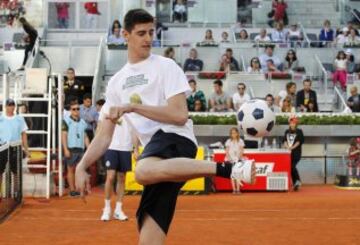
<point x="142" y="174"/>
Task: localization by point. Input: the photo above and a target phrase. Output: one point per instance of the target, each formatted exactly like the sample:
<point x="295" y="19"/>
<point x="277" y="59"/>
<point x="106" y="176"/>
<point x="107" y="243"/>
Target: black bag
<point x="271" y="13"/>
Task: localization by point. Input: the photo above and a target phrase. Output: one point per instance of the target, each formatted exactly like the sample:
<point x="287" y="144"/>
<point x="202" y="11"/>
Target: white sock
<point x="107" y="204"/>
<point x="118" y="206"/>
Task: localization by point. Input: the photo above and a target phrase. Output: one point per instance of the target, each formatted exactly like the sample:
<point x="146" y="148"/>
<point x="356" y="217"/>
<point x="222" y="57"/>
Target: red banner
<point x="265" y="161"/>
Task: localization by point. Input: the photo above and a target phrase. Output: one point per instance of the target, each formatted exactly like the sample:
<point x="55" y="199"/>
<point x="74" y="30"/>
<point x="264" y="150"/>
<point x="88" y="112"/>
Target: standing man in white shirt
<point x="240" y="97"/>
<point x="117" y="163"/>
<point x="159" y="119"/>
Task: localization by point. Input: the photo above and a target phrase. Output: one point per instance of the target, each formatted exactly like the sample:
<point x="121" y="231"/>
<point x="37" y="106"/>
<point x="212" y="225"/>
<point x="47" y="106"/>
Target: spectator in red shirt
<point x="280" y="11"/>
<point x="92" y="15"/>
<point x="62" y="10"/>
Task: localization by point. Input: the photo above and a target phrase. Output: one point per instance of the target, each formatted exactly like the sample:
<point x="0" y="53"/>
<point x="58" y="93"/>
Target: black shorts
<point x="13" y="161"/>
<point x="120" y="161"/>
<point x="159" y="200"/>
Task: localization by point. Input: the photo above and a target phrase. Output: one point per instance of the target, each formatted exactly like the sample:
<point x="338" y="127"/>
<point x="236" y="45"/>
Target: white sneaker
<point x="119" y="214"/>
<point x="106" y="214"/>
<point x="244" y="171"/>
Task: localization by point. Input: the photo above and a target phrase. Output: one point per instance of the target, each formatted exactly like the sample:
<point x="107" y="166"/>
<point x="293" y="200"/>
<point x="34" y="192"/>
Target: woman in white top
<point x="234" y="153"/>
<point x="340" y="66"/>
<point x="295" y="36"/>
<point x="262" y="37"/>
<point x="352" y="39"/>
<point x="255" y="66"/>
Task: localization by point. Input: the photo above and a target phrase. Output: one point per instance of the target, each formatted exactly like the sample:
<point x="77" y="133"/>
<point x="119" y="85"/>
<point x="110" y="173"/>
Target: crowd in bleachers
<point x="10" y="10"/>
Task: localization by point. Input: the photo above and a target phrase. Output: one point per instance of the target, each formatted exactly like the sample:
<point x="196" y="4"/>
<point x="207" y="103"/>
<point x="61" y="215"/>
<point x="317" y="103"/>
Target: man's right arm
<point x="99" y="144"/>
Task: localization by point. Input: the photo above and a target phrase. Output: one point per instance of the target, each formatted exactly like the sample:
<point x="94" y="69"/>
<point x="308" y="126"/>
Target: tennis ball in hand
<point x="135" y="99"/>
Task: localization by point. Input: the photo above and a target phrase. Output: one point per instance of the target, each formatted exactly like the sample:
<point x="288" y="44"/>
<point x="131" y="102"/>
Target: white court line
<point x="209" y="219"/>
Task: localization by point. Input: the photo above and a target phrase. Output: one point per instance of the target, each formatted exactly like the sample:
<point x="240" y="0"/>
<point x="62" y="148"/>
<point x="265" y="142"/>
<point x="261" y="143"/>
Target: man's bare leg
<point x="71" y="177"/>
<point x="151" y="233"/>
<point x="120" y="190"/>
<point x="153" y="170"/>
<point x="110" y="177"/>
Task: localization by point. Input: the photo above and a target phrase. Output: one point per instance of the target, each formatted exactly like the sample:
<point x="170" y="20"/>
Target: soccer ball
<point x="256" y="118"/>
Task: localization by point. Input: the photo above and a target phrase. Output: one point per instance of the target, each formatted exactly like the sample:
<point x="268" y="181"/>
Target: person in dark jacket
<point x="193" y="63"/>
<point x="326" y="34"/>
<point x="31" y="37"/>
<point x="293" y="140"/>
<point x="305" y="95"/>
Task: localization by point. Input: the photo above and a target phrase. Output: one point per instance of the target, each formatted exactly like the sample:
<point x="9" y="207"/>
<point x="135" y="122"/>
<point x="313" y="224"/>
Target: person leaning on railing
<point x="30" y="38"/>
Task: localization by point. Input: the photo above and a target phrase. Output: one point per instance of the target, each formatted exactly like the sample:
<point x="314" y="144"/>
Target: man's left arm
<point x="24" y="141"/>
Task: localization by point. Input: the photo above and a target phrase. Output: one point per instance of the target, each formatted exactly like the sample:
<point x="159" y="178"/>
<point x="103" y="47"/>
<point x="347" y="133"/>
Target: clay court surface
<point x="315" y="215"/>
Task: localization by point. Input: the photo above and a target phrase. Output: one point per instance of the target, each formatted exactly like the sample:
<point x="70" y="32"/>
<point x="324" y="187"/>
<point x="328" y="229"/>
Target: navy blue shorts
<point x="159" y="200"/>
<point x="119" y="161"/>
<point x="75" y="156"/>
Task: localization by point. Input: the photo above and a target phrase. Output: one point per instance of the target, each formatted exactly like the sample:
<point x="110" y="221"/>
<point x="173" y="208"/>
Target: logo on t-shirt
<point x="107" y="164"/>
<point x="135" y="81"/>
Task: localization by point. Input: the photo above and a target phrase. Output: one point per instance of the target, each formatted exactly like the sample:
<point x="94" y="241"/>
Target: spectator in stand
<point x="295" y="36"/>
<point x="159" y="28"/>
<point x="326" y="36"/>
<point x="304" y="95"/>
<point x="279" y="34"/>
<point x="234" y="64"/>
<point x="234" y="152"/>
<point x="311" y="106"/>
<point x="269" y="54"/>
<point x="353" y="38"/>
<point x="280" y="11"/>
<point x="271" y="67"/>
<point x="240" y="97"/>
<point x="92" y="15"/>
<point x="350" y="26"/>
<point x="340" y="66"/>
<point x="115" y="24"/>
<point x="255" y="66"/>
<point x="99" y="105"/>
<point x="209" y="39"/>
<point x="225" y="37"/>
<point x="196" y="95"/>
<point x="270" y="102"/>
<point x="170" y="53"/>
<point x="354" y="100"/>
<point x="341" y="38"/>
<point x="30" y="39"/>
<point x="193" y="63"/>
<point x="243" y="35"/>
<point x="90" y="115"/>
<point x="116" y="38"/>
<point x="293" y="140"/>
<point x="180" y="12"/>
<point x="73" y="88"/>
<point x="262" y="37"/>
<point x="290" y="92"/>
<point x="74" y="140"/>
<point x="198" y="106"/>
<point x="220" y="101"/>
<point x="291" y="62"/>
<point x="354" y="157"/>
<point x="62" y="10"/>
<point x="286" y="106"/>
<point x="351" y="66"/>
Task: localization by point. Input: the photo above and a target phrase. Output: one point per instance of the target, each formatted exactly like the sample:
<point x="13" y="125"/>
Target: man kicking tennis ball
<point x="162" y="125"/>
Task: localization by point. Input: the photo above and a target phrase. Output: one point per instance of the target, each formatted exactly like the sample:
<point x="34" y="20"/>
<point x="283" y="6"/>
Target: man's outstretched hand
<point x="82" y="181"/>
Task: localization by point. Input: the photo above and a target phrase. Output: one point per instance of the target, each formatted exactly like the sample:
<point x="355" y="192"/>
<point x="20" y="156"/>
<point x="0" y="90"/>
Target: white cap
<point x="348" y="51"/>
<point x="345" y="29"/>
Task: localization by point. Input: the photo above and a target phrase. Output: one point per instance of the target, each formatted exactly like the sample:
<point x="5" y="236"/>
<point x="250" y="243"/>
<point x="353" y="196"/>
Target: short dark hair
<point x="269" y="95"/>
<point x="71" y="69"/>
<point x="269" y="46"/>
<point x="218" y="82"/>
<point x="307" y="80"/>
<point x="73" y="102"/>
<point x="192" y="81"/>
<point x="136" y="16"/>
<point x="87" y="96"/>
<point x="289" y="85"/>
<point x="243" y="84"/>
<point x="100" y="102"/>
<point x="229" y="50"/>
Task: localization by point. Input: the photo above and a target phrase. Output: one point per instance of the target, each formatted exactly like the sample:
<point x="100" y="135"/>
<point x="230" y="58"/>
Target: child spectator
<point x="74" y="140"/>
<point x="354" y="157"/>
<point x="311" y="106"/>
<point x="340" y="66"/>
<point x="234" y="153"/>
<point x="286" y="106"/>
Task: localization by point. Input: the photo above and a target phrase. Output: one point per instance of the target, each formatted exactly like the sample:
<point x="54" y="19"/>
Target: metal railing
<point x="340" y="101"/>
<point x="323" y="75"/>
<point x="99" y="71"/>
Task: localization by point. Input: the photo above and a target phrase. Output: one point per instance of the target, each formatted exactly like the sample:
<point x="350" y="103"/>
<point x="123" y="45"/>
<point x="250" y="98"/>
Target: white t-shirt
<point x="340" y="64"/>
<point x="258" y="38"/>
<point x="122" y="136"/>
<point x="238" y="100"/>
<point x="154" y="80"/>
<point x="250" y="70"/>
<point x="234" y="149"/>
<point x="296" y="33"/>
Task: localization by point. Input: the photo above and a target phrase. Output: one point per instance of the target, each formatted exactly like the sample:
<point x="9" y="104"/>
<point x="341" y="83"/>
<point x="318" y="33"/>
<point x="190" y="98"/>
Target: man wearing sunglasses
<point x="240" y="97"/>
<point x="74" y="141"/>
